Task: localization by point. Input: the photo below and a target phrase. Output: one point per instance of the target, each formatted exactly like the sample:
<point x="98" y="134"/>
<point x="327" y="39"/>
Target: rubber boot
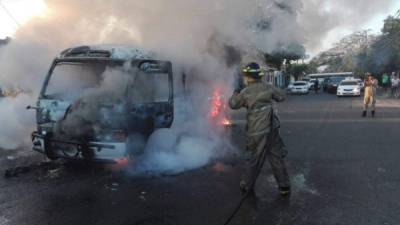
<point x="364" y="114"/>
<point x="373" y="113"/>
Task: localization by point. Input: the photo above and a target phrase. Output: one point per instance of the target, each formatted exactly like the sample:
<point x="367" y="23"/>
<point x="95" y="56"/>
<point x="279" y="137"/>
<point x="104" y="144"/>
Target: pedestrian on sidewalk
<point x="370" y="85"/>
<point x="395" y="85"/>
<point x="385" y="82"/>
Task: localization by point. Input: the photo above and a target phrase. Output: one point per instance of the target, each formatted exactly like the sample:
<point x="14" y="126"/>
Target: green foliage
<point x="391" y="25"/>
<point x="274" y="60"/>
<point x="385" y="52"/>
<point x="298" y="70"/>
<point x="377" y="56"/>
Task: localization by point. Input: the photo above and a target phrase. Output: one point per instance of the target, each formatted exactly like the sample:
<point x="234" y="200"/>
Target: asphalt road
<point x="344" y="171"/>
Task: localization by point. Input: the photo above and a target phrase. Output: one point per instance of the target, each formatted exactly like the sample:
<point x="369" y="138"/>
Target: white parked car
<point x="309" y="82"/>
<point x="299" y="87"/>
<point x="361" y="83"/>
<point x="289" y="87"/>
<point x="348" y="88"/>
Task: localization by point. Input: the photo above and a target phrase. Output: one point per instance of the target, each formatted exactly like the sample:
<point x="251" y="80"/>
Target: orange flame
<point x="218" y="109"/>
<point x="122" y="161"/>
<point x="226" y="122"/>
<point x="217" y="104"/>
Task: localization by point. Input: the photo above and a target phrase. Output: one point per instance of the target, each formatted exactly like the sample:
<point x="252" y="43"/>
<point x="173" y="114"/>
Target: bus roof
<point x="320" y="75"/>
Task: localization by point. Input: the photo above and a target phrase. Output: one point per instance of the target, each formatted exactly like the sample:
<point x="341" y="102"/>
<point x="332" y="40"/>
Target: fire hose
<point x="260" y="164"/>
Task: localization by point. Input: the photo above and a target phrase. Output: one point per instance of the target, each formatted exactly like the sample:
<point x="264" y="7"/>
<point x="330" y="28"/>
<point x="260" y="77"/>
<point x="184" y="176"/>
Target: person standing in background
<point x="316" y="83"/>
<point x="395" y="85"/>
<point x="370" y="85"/>
<point x="385" y="82"/>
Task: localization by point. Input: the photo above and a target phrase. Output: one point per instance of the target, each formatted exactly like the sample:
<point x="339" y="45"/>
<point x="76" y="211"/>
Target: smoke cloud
<point x="16" y="122"/>
<point x="204" y="39"/>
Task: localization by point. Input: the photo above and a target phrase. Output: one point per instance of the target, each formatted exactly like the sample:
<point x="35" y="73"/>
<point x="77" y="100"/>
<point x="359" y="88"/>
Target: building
<point x="276" y="77"/>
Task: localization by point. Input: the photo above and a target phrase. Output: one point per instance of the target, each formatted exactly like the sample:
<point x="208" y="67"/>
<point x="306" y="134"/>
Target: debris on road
<point x="381" y="170"/>
<point x="14" y="172"/>
<point x="50" y="169"/>
<point x="10" y="157"/>
<point x="113" y="187"/>
<point x="56" y="173"/>
<point x="4" y="221"/>
<point x="143" y="196"/>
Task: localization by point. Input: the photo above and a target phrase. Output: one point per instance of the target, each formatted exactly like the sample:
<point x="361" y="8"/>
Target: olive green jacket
<point x="258" y="99"/>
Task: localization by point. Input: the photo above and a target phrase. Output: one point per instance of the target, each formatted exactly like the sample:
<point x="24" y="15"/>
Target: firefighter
<point x="258" y="98"/>
<point x="370" y="85"/>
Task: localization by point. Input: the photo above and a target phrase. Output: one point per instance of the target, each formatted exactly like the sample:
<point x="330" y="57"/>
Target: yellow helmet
<point x="253" y="70"/>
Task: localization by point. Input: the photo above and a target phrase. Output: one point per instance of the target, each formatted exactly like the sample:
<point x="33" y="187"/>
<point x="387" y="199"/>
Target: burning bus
<point x="101" y="103"/>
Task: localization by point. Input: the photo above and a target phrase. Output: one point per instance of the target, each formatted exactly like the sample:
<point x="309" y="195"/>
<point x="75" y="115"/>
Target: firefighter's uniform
<point x="258" y="98"/>
<point x="369" y="95"/>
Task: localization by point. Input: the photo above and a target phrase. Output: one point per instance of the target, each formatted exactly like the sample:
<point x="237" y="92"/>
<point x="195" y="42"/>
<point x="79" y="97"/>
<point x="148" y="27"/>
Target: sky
<point x="375" y="25"/>
<point x="15" y="13"/>
<point x="328" y="21"/>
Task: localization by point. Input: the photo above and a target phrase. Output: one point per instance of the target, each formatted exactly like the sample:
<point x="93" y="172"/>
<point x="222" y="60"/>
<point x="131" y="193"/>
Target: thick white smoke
<point x="181" y="148"/>
<point x="201" y="38"/>
<point x="194" y="35"/>
<point x="16" y="122"/>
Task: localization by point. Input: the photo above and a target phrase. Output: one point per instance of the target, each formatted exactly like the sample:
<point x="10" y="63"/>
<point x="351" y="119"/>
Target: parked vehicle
<point x="333" y="83"/>
<point x="290" y="86"/>
<point x="83" y="116"/>
<point x="299" y="87"/>
<point x="309" y="83"/>
<point x="348" y="88"/>
<point x="324" y="84"/>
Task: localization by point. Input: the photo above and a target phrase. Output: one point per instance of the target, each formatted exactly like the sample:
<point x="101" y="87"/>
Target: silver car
<point x="299" y="87"/>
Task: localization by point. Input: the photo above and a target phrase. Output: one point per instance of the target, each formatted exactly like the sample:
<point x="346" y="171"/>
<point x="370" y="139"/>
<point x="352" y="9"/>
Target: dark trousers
<point x="256" y="145"/>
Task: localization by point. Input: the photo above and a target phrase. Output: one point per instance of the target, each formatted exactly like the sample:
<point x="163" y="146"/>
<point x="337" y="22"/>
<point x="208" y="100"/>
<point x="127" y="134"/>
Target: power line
<point x="9" y="14"/>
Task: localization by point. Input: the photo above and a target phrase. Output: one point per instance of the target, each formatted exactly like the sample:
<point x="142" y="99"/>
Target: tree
<point x="290" y="51"/>
<point x="298" y="70"/>
<point x="385" y="52"/>
<point x="348" y="54"/>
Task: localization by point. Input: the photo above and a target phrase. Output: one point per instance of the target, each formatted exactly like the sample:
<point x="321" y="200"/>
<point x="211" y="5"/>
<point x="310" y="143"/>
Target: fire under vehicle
<point x="79" y="119"/>
<point x="218" y="113"/>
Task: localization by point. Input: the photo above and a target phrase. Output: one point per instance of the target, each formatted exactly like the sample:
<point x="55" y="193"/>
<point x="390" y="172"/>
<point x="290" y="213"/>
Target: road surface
<point x="344" y="169"/>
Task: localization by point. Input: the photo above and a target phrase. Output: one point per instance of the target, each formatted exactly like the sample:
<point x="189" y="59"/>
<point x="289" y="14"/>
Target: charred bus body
<point x="102" y="104"/>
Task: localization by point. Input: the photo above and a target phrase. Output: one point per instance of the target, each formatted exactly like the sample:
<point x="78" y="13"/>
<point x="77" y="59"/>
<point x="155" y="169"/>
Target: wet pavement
<point x="344" y="170"/>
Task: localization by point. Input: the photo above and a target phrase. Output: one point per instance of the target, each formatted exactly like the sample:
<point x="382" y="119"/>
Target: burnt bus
<point x="101" y="103"/>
